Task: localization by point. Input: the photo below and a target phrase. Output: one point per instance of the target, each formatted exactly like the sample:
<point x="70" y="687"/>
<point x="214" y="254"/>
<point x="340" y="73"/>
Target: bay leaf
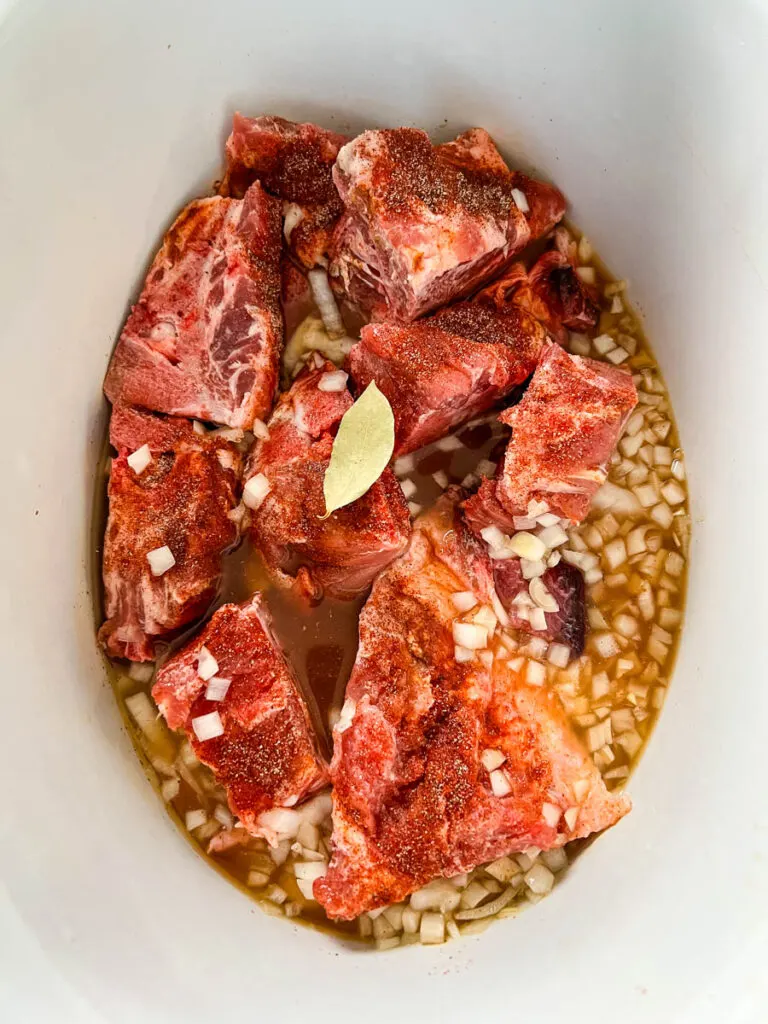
<point x="361" y="450"/>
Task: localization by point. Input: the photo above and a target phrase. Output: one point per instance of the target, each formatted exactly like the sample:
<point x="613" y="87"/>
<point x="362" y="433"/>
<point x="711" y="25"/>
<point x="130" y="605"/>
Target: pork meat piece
<point x="263" y="749"/>
<point x="185" y="499"/>
<point x="412" y="800"/>
<point x="552" y="291"/>
<point x="568" y="625"/>
<point x="205" y="337"/>
<point x="424" y="225"/>
<point x="440" y="372"/>
<point x="293" y="162"/>
<point x="564" y="431"/>
<point x="340" y="555"/>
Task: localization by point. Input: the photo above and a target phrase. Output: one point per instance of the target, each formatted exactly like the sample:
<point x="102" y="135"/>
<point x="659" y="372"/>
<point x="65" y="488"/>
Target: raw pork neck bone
<point x="564" y="431"/>
<point x="424" y="225"/>
<point x="552" y="291"/>
<point x="440" y="372"/>
<point x="184" y="500"/>
<point x="265" y="754"/>
<point x="340" y="555"/>
<point x="293" y="162"/>
<point x="412" y="800"/>
<point x="205" y="337"/>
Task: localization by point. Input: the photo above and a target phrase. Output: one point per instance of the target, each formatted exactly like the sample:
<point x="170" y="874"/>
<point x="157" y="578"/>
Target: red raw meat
<point x="412" y="800"/>
<point x="183" y="500"/>
<point x="440" y="372"/>
<point x="293" y="162"/>
<point x="342" y="554"/>
<point x="564" y="431"/>
<point x="568" y="625"/>
<point x="267" y="755"/>
<point x="205" y="337"/>
<point x="552" y="291"/>
<point x="425" y="224"/>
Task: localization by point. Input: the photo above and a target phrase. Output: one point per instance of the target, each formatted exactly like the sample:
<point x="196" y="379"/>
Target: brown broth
<point x="322" y="640"/>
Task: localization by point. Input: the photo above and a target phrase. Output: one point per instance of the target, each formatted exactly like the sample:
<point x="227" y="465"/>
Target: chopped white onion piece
<point x="170" y="790"/>
<point x="405" y="464"/>
<point x="292" y="215"/>
<point x="498" y="608"/>
<point x="194" y="819"/>
<point x="532" y="569"/>
<point x="542" y="597"/>
<point x="414" y="508"/>
<point x="335" y="380"/>
<point x="308" y="872"/>
<point x="160" y="560"/>
<point x="539" y="879"/>
<point x="346" y="716"/>
<point x="500" y="785"/>
<point x="208" y="727"/>
<point x="559" y="655"/>
<point x="586" y="274"/>
<point x="662" y="514"/>
<point x="524" y="523"/>
<point x="615" y="553"/>
<point x="141" y="671"/>
<point x="217" y="688"/>
<point x="527" y="545"/>
<point x="408" y="487"/>
<point x="448" y="444"/>
<point x="603" y="344"/>
<point x="207" y="666"/>
<point x="617" y="355"/>
<point x="463" y="601"/>
<point x="260" y="430"/>
<point x="675" y="563"/>
<point x="599" y="735"/>
<point x="556" y="860"/>
<point x="571" y="816"/>
<point x="486" y="657"/>
<point x="198" y="427"/>
<point x="553" y="536"/>
<point x="535" y="674"/>
<point x="140" y="459"/>
<point x="579" y="344"/>
<point x="437" y="895"/>
<point x="537" y="618"/>
<point x="484" y="616"/>
<point x="485" y="467"/>
<point x="521" y="200"/>
<point x="326" y="303"/>
<point x="673" y="492"/>
<point x="618" y="499"/>
<point x="551" y="814"/>
<point x="432" y="929"/>
<point x="627" y="625"/>
<point x="441" y="479"/>
<point x="617" y="306"/>
<point x="606" y="644"/>
<point x="223" y="815"/>
<point x="462" y="655"/>
<point x="470" y="635"/>
<point x="492" y="759"/>
<point x="255" y="491"/>
<point x="493" y="536"/>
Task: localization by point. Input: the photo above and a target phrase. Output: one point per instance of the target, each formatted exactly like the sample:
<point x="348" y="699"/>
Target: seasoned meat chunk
<point x="424" y="225"/>
<point x="205" y="337"/>
<point x="257" y="738"/>
<point x="339" y="555"/>
<point x="564" y="431"/>
<point x="440" y="372"/>
<point x="182" y="500"/>
<point x="293" y="162"/>
<point x="552" y="291"/>
<point x="413" y="799"/>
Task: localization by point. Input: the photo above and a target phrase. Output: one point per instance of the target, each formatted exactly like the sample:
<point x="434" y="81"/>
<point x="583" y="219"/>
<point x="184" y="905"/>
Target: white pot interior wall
<point x="112" y="115"/>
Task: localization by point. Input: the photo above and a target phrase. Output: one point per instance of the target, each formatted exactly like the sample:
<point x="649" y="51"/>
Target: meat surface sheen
<point x="182" y="500"/>
<point x="564" y="431"/>
<point x="204" y="338"/>
<point x="267" y="755"/>
<point x="293" y="162"/>
<point x="424" y="225"/>
<point x="340" y="555"/>
<point x="412" y="800"/>
<point x="440" y="372"/>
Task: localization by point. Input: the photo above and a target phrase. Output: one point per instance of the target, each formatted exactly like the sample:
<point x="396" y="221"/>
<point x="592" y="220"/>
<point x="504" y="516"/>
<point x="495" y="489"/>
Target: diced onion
<point x="580" y="789"/>
<point x="292" y="215"/>
<point x="140" y="459"/>
<point x="405" y="464"/>
<point x="551" y="814"/>
<point x="539" y="879"/>
<point x="603" y="344"/>
<point x="535" y="673"/>
<point x="194" y="819"/>
<point x="521" y="200"/>
<point x="441" y="479"/>
<point x="488" y="909"/>
<point x="432" y="929"/>
<point x="346" y="716"/>
<point x="571" y="816"/>
<point x="527" y="545"/>
<point x="500" y="785"/>
<point x="606" y="644"/>
<point x="615" y="553"/>
<point x="559" y="655"/>
<point x="208" y="727"/>
<point x="462" y="655"/>
<point x="283" y="821"/>
<point x="618" y="499"/>
<point x="217" y="688"/>
<point x="335" y="380"/>
<point x="486" y="657"/>
<point x="207" y="666"/>
<point x="531" y="569"/>
<point x="492" y="759"/>
<point x="223" y="815"/>
<point x="408" y="487"/>
<point x="160" y="560"/>
<point x="553" y="536"/>
<point x="463" y="601"/>
<point x="326" y="303"/>
<point x="493" y="536"/>
<point x="438" y="895"/>
<point x="448" y="444"/>
<point x="309" y="871"/>
<point x="260" y="430"/>
<point x="673" y="492"/>
<point x="538" y="619"/>
<point x="255" y="491"/>
<point x="498" y="608"/>
<point x="414" y="508"/>
<point x="484" y="616"/>
<point x="470" y="635"/>
<point x="542" y="597"/>
<point x="586" y="274"/>
<point x="170" y="790"/>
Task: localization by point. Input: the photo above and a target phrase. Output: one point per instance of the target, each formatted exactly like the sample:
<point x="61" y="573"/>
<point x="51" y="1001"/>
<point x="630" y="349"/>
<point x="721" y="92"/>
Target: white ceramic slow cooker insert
<point x="651" y="118"/>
